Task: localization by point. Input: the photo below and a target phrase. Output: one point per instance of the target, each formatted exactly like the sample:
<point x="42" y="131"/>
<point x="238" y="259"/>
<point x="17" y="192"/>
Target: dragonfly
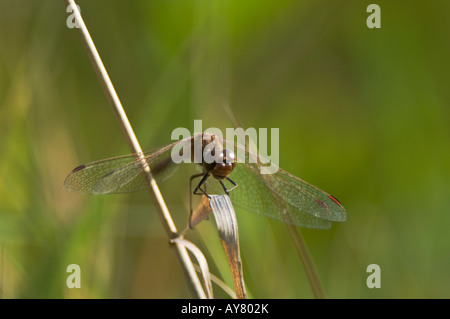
<point x="281" y="195"/>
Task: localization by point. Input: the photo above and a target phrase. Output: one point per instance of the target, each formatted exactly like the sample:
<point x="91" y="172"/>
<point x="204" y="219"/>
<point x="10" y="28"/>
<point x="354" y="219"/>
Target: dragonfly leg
<point x="190" y="181"/>
<point x="228" y="190"/>
<point x="199" y="186"/>
<point x="195" y="192"/>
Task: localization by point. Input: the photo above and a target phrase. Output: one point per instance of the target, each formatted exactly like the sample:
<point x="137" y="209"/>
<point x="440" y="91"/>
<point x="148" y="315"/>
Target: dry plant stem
<point x="229" y="235"/>
<point x="313" y="276"/>
<point x="219" y="283"/>
<point x="125" y="125"/>
<point x="203" y="264"/>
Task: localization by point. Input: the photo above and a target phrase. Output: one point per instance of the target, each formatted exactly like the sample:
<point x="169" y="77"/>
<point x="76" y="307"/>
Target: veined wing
<point x="121" y="174"/>
<point x="283" y="196"/>
<point x="254" y="195"/>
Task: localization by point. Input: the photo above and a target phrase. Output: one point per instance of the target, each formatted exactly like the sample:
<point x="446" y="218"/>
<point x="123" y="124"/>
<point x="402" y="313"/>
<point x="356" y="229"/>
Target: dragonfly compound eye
<point x="225" y="164"/>
<point x="228" y="157"/>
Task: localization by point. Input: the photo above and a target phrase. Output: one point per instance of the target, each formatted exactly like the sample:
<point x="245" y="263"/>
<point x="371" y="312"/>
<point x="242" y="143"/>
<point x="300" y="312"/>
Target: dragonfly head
<point x="223" y="165"/>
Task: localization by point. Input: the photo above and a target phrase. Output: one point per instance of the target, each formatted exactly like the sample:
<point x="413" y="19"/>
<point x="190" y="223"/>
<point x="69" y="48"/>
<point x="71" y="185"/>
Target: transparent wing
<point x="255" y="194"/>
<point x="121" y="174"/>
<point x="282" y="196"/>
<point x="84" y="178"/>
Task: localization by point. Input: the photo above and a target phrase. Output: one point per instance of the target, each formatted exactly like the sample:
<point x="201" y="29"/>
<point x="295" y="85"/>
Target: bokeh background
<point x="363" y="114"/>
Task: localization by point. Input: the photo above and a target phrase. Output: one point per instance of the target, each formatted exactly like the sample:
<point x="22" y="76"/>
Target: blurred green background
<point x="363" y="114"/>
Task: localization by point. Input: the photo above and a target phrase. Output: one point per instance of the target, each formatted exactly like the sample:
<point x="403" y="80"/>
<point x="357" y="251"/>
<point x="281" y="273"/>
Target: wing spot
<point x="335" y="200"/>
<point x="78" y="168"/>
